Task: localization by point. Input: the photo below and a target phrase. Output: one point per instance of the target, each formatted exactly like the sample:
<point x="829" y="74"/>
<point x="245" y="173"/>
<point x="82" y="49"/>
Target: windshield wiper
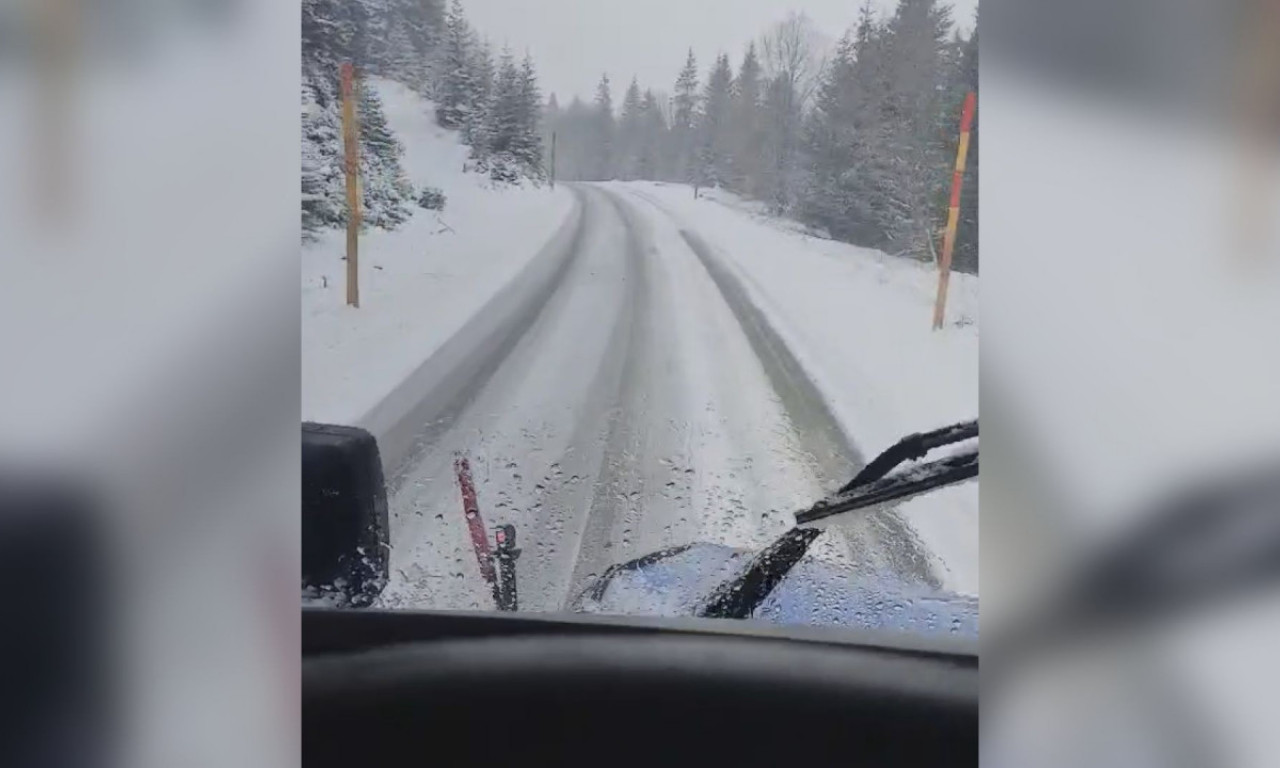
<point x="739" y="597"/>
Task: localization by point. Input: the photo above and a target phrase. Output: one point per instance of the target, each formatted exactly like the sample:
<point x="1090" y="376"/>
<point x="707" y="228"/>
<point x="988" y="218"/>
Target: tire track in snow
<point x="529" y="422"/>
<point x="879" y="537"/>
<point x="637" y="503"/>
<point x="430" y="399"/>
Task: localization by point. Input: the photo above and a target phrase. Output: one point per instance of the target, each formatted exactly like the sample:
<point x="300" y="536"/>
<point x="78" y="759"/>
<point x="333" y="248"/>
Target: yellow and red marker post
<point x="351" y="148"/>
<point x="953" y="215"/>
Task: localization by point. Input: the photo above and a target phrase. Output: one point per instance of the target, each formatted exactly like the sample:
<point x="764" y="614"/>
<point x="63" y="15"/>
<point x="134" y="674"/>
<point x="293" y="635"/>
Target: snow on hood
<point x="815" y="592"/>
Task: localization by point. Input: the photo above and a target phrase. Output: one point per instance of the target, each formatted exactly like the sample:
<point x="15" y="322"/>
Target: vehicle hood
<point x="815" y="592"/>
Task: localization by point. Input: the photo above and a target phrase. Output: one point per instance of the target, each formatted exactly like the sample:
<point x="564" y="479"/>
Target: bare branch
<point x="791" y="49"/>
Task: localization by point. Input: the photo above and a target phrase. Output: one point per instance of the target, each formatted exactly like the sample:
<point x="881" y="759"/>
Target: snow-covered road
<point x="622" y="396"/>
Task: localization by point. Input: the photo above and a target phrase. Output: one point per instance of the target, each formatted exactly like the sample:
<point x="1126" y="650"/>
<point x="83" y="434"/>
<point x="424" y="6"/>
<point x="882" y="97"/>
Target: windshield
<point x="620" y="289"/>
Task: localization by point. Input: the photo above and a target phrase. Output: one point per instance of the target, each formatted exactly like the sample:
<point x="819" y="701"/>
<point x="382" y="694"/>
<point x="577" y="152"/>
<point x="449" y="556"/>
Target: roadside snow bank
<point x="421" y="283"/>
<point x="860" y="323"/>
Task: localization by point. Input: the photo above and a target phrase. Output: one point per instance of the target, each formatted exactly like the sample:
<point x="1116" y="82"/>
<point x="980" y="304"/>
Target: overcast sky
<point x="574" y="41"/>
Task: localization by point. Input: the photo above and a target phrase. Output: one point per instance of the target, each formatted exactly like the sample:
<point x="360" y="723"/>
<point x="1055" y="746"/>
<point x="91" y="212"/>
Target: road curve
<point x="632" y="400"/>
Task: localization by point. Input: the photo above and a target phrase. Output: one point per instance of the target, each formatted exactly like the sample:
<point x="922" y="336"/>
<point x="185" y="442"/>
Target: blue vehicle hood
<point x="815" y="592"/>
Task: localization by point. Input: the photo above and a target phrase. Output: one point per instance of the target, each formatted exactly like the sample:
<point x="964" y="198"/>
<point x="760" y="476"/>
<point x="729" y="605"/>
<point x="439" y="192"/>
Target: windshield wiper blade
<point x="739" y="597"/>
<point x="912" y="482"/>
<point x="911" y="448"/>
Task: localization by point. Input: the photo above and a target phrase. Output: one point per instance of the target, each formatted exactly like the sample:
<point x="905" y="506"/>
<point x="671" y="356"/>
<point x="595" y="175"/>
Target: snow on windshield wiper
<point x="739" y="597"/>
<point x="875" y="485"/>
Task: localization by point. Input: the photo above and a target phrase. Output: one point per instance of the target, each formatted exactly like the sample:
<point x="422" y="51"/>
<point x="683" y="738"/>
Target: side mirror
<point x="345" y="535"/>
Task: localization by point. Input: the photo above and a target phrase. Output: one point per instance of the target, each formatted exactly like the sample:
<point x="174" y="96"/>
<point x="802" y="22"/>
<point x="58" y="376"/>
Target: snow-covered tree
<point x="323" y="202"/>
<point x="602" y="139"/>
<point x="456" y="91"/>
<point x="477" y="129"/>
<point x="332" y="34"/>
<point x="515" y="142"/>
<point x="745" y="138"/>
<point x="527" y="147"/>
<point x="913" y="160"/>
<point x="651" y="161"/>
<point x="684" y="119"/>
<point x="630" y="133"/>
<point x="779" y="150"/>
<point x="714" y="126"/>
<point x="416" y="30"/>
<point x="385" y="190"/>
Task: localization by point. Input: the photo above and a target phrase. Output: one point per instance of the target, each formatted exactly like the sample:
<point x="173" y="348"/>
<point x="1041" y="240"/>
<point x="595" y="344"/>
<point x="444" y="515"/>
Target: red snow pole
<point x="953" y="214"/>
<point x="471" y="508"/>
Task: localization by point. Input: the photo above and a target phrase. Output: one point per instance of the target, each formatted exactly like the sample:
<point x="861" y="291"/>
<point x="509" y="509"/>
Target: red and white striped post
<point x="953" y="215"/>
<point x="471" y="508"/>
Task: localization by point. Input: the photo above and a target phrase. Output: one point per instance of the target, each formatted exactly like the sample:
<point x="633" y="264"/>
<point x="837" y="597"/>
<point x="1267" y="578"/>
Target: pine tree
<point x="457" y="61"/>
<point x="832" y="197"/>
<point x="684" y="118"/>
<point x="912" y="163"/>
<point x="527" y="147"/>
<point x="653" y="139"/>
<point x="630" y="133"/>
<point x="714" y="155"/>
<point x="332" y="34"/>
<point x="575" y="154"/>
<point x="384" y="186"/>
<point x="745" y="132"/>
<point x="781" y="127"/>
<point x="323" y="204"/>
<point x="476" y="131"/>
<point x="552" y="117"/>
<point x="504" y="118"/>
<point x="603" y="138"/>
<point x="420" y="24"/>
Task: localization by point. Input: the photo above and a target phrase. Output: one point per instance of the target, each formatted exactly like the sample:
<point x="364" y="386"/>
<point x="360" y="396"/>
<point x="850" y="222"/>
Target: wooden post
<point x="953" y="215"/>
<point x="351" y="144"/>
<point x="553" y="160"/>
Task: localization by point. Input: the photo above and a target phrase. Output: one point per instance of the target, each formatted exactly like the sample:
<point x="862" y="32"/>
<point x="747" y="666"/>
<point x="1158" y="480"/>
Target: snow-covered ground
<point x="860" y="323"/>
<point x="617" y="389"/>
<point x="420" y="283"/>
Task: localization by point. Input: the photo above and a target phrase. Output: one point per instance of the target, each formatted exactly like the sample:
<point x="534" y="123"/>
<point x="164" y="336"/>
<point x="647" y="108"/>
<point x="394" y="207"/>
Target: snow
<point x="860" y="323"/>
<point x="420" y="283"/>
<point x="700" y="414"/>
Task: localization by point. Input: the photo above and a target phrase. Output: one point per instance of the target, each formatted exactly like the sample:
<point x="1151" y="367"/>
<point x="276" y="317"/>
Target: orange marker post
<point x="953" y="215"/>
<point x="351" y="143"/>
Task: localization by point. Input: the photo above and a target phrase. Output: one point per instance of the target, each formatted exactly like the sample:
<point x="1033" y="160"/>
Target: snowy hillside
<point x="421" y="282"/>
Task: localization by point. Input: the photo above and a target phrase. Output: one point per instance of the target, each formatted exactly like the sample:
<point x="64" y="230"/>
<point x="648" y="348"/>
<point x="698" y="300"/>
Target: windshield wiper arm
<point x="739" y="597"/>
